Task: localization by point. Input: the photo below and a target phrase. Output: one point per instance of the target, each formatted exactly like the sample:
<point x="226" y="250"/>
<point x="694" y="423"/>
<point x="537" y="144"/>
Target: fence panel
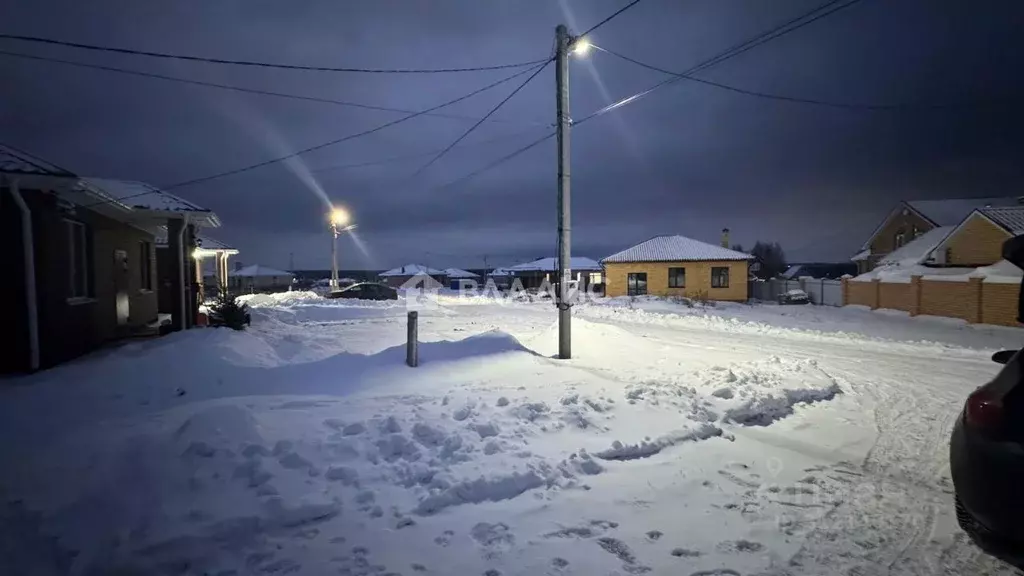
<point x="831" y="293"/>
<point x="813" y="288"/>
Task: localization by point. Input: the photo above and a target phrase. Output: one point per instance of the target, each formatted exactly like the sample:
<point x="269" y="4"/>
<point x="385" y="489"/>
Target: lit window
<point x="595" y="277"/>
<point x="900" y="239"/>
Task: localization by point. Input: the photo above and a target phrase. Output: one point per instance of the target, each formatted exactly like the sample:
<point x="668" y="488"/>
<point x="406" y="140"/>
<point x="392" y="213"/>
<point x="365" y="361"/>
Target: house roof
<point x="1010" y="218"/>
<point x="459" y="273"/>
<point x="580" y="263"/>
<point x="255" y="270"/>
<point x="675" y="249"/>
<point x="952" y="211"/>
<point x="500" y="272"/>
<point x="412" y="270"/>
<point x="949" y="212"/>
<point x="205" y="242"/>
<point x="144" y="196"/>
<point x="917" y="250"/>
<point x="14" y="161"/>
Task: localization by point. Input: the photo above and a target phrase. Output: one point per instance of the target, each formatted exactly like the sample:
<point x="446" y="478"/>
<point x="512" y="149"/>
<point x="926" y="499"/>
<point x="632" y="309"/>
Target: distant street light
<point x="339" y="218"/>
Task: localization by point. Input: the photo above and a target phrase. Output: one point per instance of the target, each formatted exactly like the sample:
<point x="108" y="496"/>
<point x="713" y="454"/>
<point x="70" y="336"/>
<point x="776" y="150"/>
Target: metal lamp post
<point x="339" y="217"/>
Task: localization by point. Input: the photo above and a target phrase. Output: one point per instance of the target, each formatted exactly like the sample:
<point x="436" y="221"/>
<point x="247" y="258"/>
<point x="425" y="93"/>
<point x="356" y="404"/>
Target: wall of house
<point x="884" y="241"/>
<point x="978" y="242"/>
<point x="70" y="327"/>
<point x="698" y="279"/>
<point x="972" y="300"/>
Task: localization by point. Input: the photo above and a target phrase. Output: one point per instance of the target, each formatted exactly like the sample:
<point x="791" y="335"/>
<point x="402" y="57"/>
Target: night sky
<point x="688" y="159"/>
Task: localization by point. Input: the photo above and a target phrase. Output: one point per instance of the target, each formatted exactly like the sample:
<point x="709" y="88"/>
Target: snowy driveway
<point x="738" y="440"/>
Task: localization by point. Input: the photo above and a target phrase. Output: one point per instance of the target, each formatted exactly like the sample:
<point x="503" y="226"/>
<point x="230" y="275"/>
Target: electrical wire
<point x="611" y="17"/>
<point x="240" y="88"/>
<point x="495" y="163"/>
<point x="795" y="99"/>
<point x="792" y="25"/>
<point x="350" y="136"/>
<point x="481" y="121"/>
<point x="251" y="63"/>
<point x="419" y="154"/>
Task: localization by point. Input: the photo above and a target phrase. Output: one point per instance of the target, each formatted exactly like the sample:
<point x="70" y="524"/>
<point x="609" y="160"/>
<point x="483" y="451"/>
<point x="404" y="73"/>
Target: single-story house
<point x="82" y="262"/>
<point x="211" y="256"/>
<point x="256" y="278"/>
<point x="584" y="271"/>
<point x="678" y="266"/>
<point x="457" y="275"/>
<point x="396" y="277"/>
<point x="912" y="218"/>
<point x="502" y="278"/>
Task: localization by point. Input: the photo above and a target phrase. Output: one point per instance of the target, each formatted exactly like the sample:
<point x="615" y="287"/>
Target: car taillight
<point x="984" y="410"/>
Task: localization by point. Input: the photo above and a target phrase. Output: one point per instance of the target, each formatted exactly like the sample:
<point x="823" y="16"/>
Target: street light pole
<point x="564" y="296"/>
<point x="334" y="256"/>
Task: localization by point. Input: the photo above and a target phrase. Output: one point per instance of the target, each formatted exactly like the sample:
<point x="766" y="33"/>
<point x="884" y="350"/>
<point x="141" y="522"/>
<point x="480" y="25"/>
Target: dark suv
<point x="986" y="451"/>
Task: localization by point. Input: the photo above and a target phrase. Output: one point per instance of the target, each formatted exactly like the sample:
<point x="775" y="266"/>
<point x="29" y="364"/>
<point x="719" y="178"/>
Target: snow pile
<point x="278" y="298"/>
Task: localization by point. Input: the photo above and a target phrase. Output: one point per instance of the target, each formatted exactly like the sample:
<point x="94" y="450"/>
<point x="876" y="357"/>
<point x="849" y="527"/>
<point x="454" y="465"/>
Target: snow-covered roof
<point x="14" y="161"/>
<point x="862" y="255"/>
<point x="917" y="250"/>
<point x="144" y="196"/>
<point x="255" y="270"/>
<point x="500" y="272"/>
<point x="1009" y="217"/>
<point x="952" y="211"/>
<point x="459" y="273"/>
<point x="412" y="270"/>
<point x="205" y="242"/>
<point x="577" y="263"/>
<point x="675" y="249"/>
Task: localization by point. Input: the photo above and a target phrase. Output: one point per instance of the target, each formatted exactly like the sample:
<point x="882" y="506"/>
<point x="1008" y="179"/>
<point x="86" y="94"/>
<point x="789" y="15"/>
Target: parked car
<point x="794" y="297"/>
<point x="366" y="291"/>
<point x="986" y="451"/>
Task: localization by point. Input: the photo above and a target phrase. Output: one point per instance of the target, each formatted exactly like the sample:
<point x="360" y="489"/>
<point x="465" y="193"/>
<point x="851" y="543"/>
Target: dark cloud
<point x="687" y="159"/>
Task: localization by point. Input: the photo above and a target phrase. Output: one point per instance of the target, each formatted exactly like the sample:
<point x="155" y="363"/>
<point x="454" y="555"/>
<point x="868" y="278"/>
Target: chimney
<point x="725" y="237"/>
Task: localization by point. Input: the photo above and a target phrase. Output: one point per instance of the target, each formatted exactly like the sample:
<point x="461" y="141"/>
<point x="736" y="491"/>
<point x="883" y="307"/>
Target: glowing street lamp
<point x="581" y="46"/>
<point x="339" y="217"/>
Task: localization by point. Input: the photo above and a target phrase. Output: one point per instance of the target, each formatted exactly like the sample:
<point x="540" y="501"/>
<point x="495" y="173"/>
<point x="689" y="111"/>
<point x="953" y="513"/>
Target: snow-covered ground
<point x="733" y="440"/>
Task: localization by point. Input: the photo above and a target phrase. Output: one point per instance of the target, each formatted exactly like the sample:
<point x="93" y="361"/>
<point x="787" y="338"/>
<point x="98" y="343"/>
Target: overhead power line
<point x="481" y="121"/>
<point x="244" y="89"/>
<point x="496" y="163"/>
<point x="611" y="17"/>
<point x="420" y="154"/>
<point x="252" y="63"/>
<point x="813" y="15"/>
<point x="794" y="99"/>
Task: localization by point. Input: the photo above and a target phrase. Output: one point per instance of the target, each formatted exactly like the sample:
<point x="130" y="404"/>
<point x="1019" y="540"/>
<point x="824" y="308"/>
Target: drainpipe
<point x="28" y="244"/>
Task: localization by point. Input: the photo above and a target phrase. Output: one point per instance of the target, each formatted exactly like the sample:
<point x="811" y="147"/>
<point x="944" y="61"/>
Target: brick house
<point x="81" y="262"/>
<point x="678" y="266"/>
<point x="912" y="218"/>
<point x="954" y="271"/>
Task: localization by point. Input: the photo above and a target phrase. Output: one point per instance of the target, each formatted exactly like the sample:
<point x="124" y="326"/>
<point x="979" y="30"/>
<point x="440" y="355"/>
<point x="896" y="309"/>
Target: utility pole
<point x="334" y="256"/>
<point x="564" y="297"/>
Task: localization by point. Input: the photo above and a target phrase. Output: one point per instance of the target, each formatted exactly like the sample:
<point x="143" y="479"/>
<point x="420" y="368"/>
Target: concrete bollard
<point x="412" y="348"/>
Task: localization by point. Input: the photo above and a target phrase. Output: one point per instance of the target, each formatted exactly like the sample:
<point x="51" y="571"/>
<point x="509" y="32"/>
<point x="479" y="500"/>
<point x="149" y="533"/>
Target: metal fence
<point x="821" y="292"/>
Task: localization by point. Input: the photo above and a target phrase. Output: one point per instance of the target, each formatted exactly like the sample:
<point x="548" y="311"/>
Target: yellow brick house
<point x="978" y="239"/>
<point x="677" y="266"/>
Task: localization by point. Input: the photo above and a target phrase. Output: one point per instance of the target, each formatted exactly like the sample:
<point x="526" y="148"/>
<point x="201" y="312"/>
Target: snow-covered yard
<point x="736" y="440"/>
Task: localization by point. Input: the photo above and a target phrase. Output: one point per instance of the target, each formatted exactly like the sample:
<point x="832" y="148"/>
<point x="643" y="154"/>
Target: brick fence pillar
<point x="876" y="293"/>
<point x="844" y="284"/>
<point x="915" y="295"/>
<point x="974" y="300"/>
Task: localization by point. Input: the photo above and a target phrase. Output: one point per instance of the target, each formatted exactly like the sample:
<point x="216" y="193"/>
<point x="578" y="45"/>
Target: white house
<point x="256" y="278"/>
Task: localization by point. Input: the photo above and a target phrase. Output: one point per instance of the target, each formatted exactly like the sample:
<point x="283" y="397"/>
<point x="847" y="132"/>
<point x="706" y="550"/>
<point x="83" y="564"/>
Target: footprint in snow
<point x="740" y="546"/>
<point x="654" y="535"/>
<point x="444" y="539"/>
<point x="685" y="553"/>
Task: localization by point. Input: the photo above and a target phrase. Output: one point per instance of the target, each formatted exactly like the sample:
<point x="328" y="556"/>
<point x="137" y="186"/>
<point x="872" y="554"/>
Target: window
<point x="595" y="277"/>
<point x="78" y="259"/>
<point x="900" y="239"/>
<point x="636" y="284"/>
<point x="677" y="277"/>
<point x="145" y="266"/>
<point x="914" y="232"/>
<point x="719" y="277"/>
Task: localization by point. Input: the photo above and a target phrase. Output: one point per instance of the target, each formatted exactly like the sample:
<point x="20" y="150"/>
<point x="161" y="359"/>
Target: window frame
<point x="146" y="266"/>
<point x="717" y="274"/>
<point x="899" y="240"/>
<point x="674" y="272"/>
<point x="633" y="283"/>
<point x="77" y="238"/>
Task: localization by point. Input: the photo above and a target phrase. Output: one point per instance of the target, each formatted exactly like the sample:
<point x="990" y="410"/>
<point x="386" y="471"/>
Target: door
<point x="121" y="300"/>
<point x="636" y="284"/>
